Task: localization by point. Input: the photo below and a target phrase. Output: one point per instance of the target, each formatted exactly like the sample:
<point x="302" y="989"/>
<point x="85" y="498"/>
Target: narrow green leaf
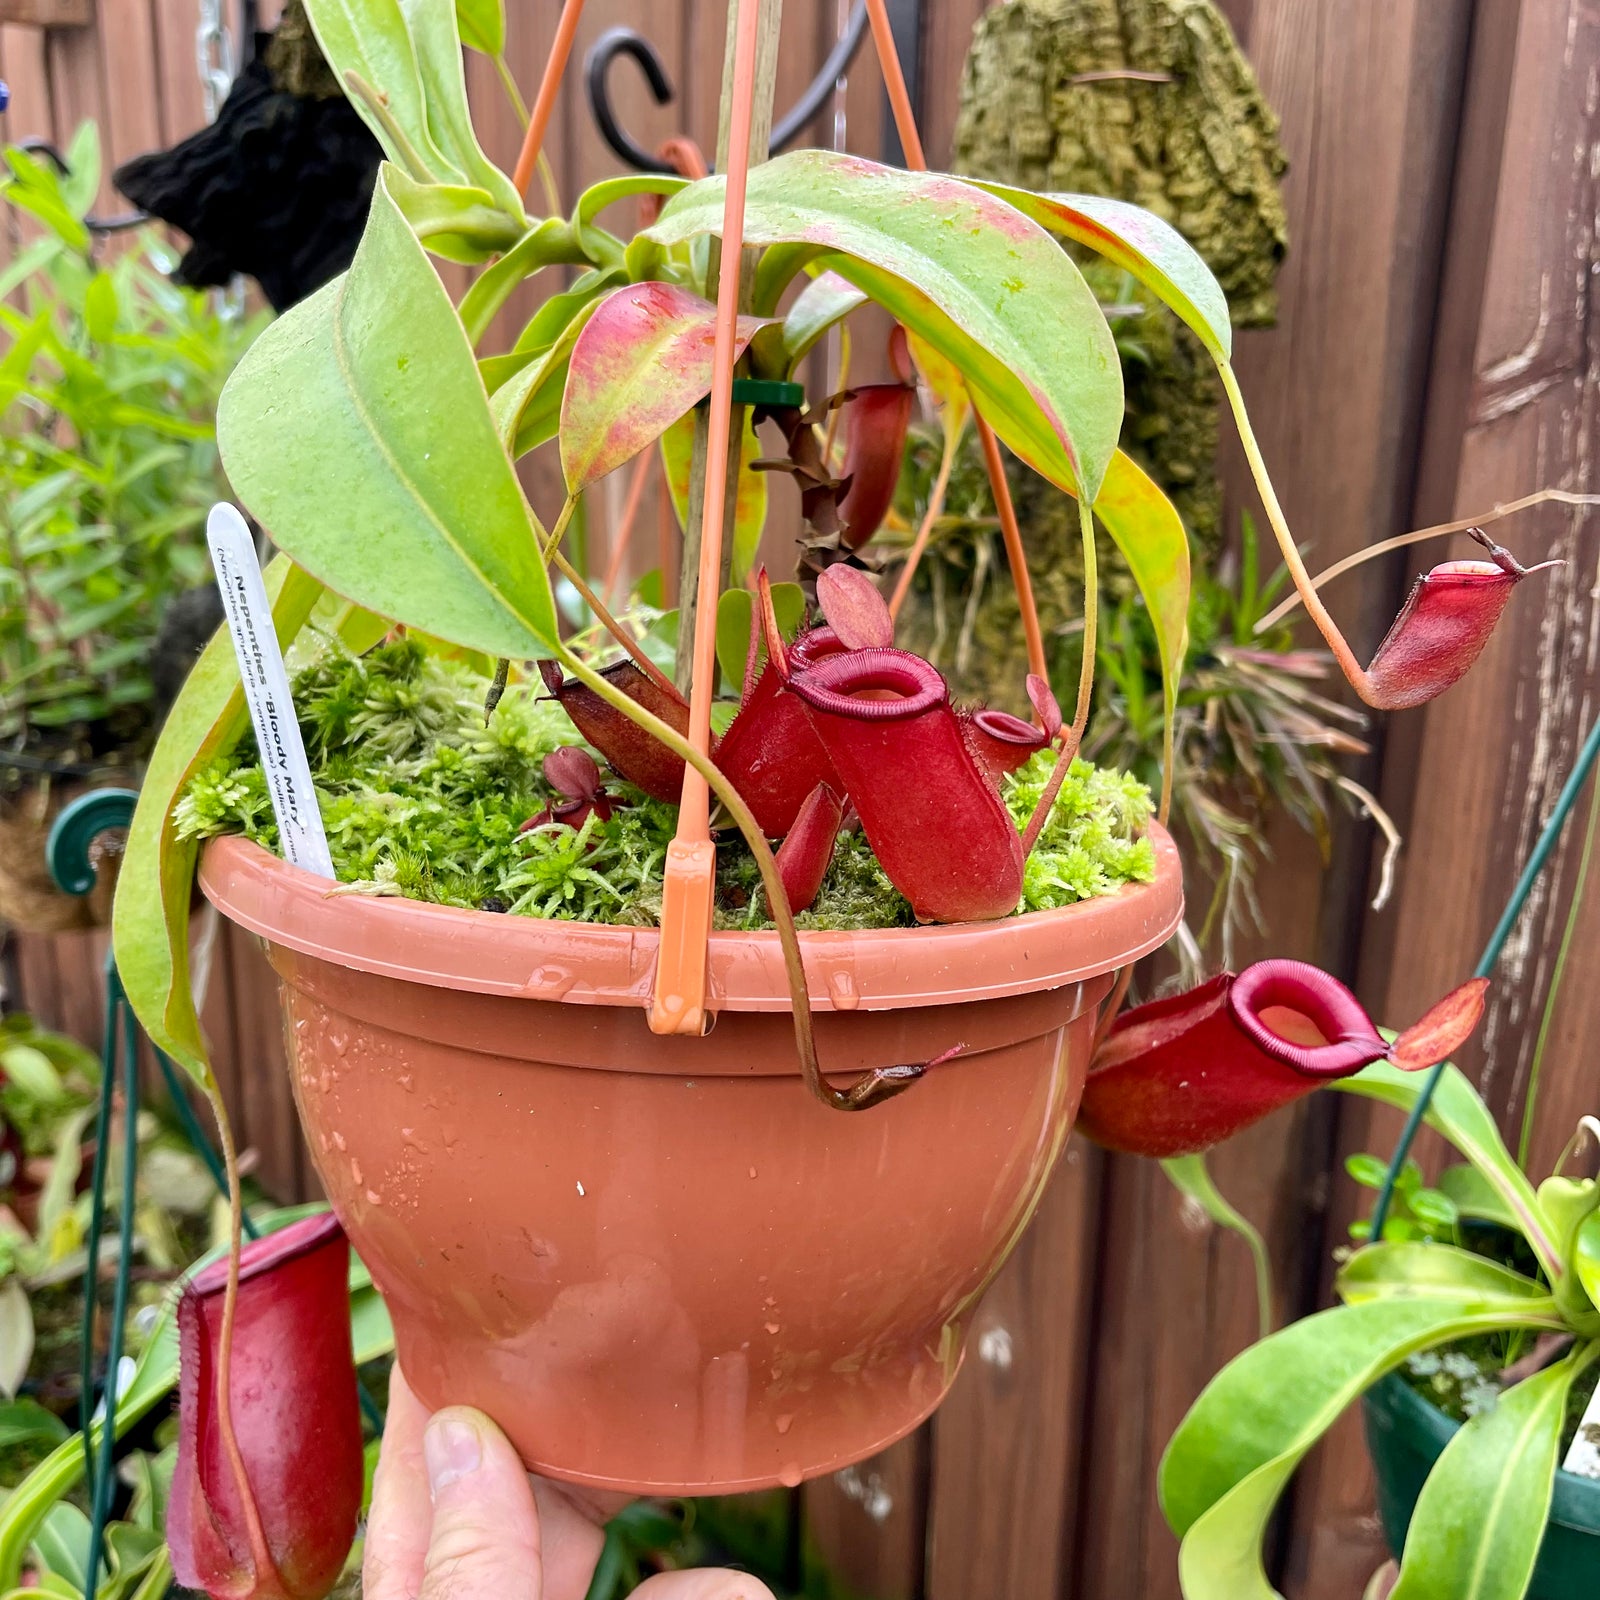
<point x="16" y="1336"/>
<point x="1586" y="1259"/>
<point x="1474" y="1196"/>
<point x="330" y="433"/>
<point x="482" y="25"/>
<point x="1141" y="243"/>
<point x="1149" y="532"/>
<point x="734" y="607"/>
<point x="62" y="1544"/>
<point x="27" y="1422"/>
<point x="526" y="408"/>
<point x="1480" y="1519"/>
<point x="456" y="221"/>
<point x="1192" y="1177"/>
<point x="642" y="360"/>
<point x="1236" y="1450"/>
<point x="824" y="303"/>
<point x="983" y="284"/>
<point x="411" y="55"/>
<point x="548" y="243"/>
<point x="1416" y="1269"/>
<point x="150" y="915"/>
<point x="1458" y="1112"/>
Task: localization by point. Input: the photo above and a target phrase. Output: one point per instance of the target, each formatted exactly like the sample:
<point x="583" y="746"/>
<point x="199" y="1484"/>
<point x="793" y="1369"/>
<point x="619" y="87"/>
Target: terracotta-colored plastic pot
<point x="658" y="1263"/>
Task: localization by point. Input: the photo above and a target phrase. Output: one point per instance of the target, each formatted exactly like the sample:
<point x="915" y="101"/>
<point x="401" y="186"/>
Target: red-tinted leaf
<point x="1443" y="1029"/>
<point x="571" y="771"/>
<point x="932" y="817"/>
<point x="854" y="608"/>
<point x="642" y="360"/>
<point x="1043" y="700"/>
<point x="804" y="855"/>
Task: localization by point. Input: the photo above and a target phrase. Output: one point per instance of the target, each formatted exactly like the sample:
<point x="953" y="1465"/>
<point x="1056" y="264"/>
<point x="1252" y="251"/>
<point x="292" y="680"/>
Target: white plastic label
<point x="266" y="691"/>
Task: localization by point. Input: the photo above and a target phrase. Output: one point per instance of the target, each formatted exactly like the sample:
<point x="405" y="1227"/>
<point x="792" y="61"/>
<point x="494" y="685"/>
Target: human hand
<point x="455" y="1517"/>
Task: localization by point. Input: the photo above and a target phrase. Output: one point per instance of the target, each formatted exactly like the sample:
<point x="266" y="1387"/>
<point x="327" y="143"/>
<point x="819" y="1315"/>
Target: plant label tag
<point x="1583" y="1458"/>
<point x="266" y="691"/>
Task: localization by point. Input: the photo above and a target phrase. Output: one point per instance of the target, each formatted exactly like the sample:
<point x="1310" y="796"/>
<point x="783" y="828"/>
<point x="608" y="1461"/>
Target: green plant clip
<point x="773" y="393"/>
<point x="78" y="826"/>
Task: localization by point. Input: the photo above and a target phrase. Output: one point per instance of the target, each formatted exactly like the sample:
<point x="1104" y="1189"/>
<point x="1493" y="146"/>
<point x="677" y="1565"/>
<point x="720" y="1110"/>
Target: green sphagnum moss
<point x="421" y="799"/>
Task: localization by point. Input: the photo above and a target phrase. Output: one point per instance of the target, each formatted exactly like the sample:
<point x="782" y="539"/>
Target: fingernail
<point x="451" y="1449"/>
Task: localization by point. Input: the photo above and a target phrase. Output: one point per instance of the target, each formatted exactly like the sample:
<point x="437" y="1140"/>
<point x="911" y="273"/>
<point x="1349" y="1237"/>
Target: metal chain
<point x="214" y="57"/>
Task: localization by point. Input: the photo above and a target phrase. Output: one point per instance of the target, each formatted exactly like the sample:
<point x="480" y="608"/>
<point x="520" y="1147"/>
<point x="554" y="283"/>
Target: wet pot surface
<point x="657" y="1262"/>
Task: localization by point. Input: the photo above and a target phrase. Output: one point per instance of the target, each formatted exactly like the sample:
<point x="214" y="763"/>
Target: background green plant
<point x="109" y="379"/>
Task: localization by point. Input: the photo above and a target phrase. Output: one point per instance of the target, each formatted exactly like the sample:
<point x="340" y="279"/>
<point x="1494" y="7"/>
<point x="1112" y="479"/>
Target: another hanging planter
<point x="1406" y="1435"/>
<point x="654" y="1260"/>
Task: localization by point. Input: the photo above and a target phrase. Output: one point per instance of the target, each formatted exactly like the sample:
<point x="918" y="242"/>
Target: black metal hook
<point x="628" y="42"/>
<point x="117" y="224"/>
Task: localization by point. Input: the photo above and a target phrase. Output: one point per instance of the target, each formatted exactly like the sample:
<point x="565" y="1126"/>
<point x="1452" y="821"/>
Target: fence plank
<point x="1514" y="408"/>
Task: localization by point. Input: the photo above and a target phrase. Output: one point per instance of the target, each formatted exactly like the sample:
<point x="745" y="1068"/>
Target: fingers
<point x="702" y="1586"/>
<point x="397" y="1525"/>
<point x="484" y="1544"/>
<point x="570" y="1540"/>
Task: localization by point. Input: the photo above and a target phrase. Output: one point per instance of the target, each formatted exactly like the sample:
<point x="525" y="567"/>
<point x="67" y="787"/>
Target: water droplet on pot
<point x="374" y="1197"/>
<point x="407" y="1082"/>
<point x="339" y="1043"/>
<point x="752" y="1172"/>
<point x="785" y="1422"/>
<point x="580" y="1187"/>
<point x="338" y="1141"/>
<point x="322" y="1139"/>
<point x="771" y="1327"/>
<point x="842" y="985"/>
<point x="355" y="1172"/>
<point x="325" y="1082"/>
<point x="410" y="1137"/>
<point x="790" y="1475"/>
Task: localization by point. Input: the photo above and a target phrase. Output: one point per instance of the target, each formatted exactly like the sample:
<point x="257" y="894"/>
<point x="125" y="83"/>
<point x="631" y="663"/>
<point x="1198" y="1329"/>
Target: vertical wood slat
<point x="1513" y="408"/>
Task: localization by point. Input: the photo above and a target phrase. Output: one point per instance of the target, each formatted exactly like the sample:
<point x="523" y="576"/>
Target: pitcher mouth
<point x="880" y="684"/>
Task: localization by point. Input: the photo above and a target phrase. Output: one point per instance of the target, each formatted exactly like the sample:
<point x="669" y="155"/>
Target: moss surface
<point x="420" y="799"/>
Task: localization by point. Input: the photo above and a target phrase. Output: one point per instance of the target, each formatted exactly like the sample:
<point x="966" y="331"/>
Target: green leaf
<point x="1417" y="1269"/>
<point x="1480" y="1519"/>
<point x="984" y="285"/>
<point x="750" y="511"/>
<point x="1458" y="1112"/>
<point x="1149" y="533"/>
<point x="16" y="1336"/>
<point x="62" y="1544"/>
<point x="1568" y="1203"/>
<point x="456" y="221"/>
<point x="1141" y="243"/>
<point x="80" y="183"/>
<point x="33" y="185"/>
<point x="824" y="303"/>
<point x="1474" y="1196"/>
<point x="150" y="915"/>
<point x="643" y="359"/>
<point x="482" y="25"/>
<point x="29" y="1069"/>
<point x="27" y="1422"/>
<point x="1235" y="1451"/>
<point x="331" y="433"/>
<point x="550" y="243"/>
<point x="734" y="608"/>
<point x="1586" y="1258"/>
<point x="1192" y="1178"/>
<point x="526" y="408"/>
<point x="100" y="308"/>
<point x="410" y="54"/>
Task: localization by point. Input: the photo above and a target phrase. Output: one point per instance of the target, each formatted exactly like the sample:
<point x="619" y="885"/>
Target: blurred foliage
<point x="109" y="378"/>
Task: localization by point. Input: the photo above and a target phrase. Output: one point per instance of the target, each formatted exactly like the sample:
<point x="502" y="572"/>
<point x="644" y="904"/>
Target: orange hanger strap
<point x="545" y="103"/>
<point x="905" y="122"/>
<point x="679" y="1002"/>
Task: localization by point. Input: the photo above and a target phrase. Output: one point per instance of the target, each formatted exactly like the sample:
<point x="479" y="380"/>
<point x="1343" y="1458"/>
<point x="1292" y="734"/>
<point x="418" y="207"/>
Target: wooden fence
<point x="1434" y="355"/>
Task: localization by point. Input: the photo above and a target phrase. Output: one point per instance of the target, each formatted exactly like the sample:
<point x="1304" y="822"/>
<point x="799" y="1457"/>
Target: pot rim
<point x="585" y="963"/>
<point x="1574" y="1501"/>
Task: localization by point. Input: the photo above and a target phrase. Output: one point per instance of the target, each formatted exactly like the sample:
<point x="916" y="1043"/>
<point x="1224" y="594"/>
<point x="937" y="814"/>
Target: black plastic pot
<point x="1406" y="1434"/>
